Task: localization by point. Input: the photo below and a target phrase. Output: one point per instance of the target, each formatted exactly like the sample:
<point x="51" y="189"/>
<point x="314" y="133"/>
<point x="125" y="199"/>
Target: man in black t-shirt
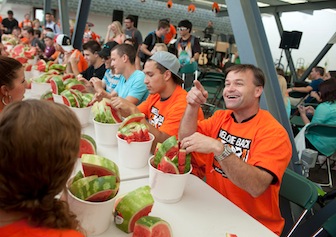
<point x="96" y="65"/>
<point x="153" y="38"/>
<point x="9" y="23"/>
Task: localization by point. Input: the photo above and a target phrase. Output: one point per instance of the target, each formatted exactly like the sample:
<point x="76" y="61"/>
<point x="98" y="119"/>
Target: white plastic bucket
<point x="106" y="133"/>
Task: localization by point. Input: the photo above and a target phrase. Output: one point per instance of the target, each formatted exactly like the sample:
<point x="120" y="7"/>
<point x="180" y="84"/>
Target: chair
<point x="190" y="68"/>
<point x="324" y="131"/>
<point x="214" y="86"/>
<point x="298" y="190"/>
<point x="328" y="228"/>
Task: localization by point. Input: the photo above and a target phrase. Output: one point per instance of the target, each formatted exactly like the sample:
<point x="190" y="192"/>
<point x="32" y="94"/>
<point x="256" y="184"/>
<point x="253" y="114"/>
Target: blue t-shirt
<point x="315" y="85"/>
<point x="111" y="80"/>
<point x="134" y="86"/>
<point x="325" y="113"/>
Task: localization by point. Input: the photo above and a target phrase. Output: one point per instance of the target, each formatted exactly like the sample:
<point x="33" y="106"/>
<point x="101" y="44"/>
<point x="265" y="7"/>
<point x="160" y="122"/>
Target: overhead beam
<point x="309" y="6"/>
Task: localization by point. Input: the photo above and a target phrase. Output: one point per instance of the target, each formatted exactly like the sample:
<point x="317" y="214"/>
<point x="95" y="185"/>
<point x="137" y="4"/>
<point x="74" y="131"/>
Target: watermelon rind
<point x="98" y="165"/>
<point x="91" y="140"/>
<point x="86" y="187"/>
<point x="153" y="226"/>
<point x="132" y="118"/>
<point x="87" y="145"/>
<point x="79" y="175"/>
<point x="87" y="98"/>
<point x="57" y="85"/>
<point x="166" y="165"/>
<point x="135" y="204"/>
<point x="68" y="98"/>
<point x="166" y="146"/>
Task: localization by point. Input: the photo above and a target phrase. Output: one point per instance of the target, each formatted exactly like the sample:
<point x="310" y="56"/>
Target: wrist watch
<point x="227" y="151"/>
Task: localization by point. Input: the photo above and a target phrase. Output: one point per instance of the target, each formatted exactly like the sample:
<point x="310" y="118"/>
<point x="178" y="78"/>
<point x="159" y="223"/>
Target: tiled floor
<point x="320" y="175"/>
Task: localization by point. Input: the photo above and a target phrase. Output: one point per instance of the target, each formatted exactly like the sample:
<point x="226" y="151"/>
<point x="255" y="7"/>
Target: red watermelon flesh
<point x="28" y="67"/>
<point x="17" y="50"/>
<point x="151" y="226"/>
<point x="132" y="118"/>
<point x="181" y="160"/>
<point x="86" y="146"/>
<point x="144" y="212"/>
<point x="22" y="60"/>
<point x="79" y="87"/>
<point x="100" y="196"/>
<point x="172" y="152"/>
<point x="167" y="166"/>
<point x="90" y="169"/>
<point x="115" y="114"/>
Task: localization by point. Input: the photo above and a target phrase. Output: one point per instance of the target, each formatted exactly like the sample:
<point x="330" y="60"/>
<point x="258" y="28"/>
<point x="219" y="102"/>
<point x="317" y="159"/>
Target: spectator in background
<point x="96" y="65"/>
<point x="325" y="113"/>
<point x="17" y="33"/>
<point x="9" y="22"/>
<point x="131" y="31"/>
<point x="118" y="33"/>
<point x="187" y="47"/>
<point x="316" y="76"/>
<point x="133" y="42"/>
<point x="89" y="34"/>
<point x="171" y="34"/>
<point x="26" y="21"/>
<point x="39" y="144"/>
<point x="152" y="39"/>
<point x="208" y="31"/>
<point x="51" y="24"/>
<point x="74" y="59"/>
<point x="28" y="33"/>
<point x="37" y="25"/>
<point x="283" y="89"/>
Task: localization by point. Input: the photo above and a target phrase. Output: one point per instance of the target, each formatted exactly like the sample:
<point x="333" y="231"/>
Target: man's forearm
<point x="188" y="123"/>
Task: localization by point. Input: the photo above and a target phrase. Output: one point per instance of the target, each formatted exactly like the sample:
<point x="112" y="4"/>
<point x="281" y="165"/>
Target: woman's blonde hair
<point x="39" y="145"/>
<point x="119" y="28"/>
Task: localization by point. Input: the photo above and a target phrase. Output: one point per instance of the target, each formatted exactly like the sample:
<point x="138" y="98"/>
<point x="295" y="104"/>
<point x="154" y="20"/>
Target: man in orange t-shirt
<point x="165" y="105"/>
<point x="245" y="150"/>
<point x="73" y="58"/>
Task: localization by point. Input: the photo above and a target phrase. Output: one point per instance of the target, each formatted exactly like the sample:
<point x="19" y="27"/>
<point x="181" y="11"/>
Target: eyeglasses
<point x="181" y="28"/>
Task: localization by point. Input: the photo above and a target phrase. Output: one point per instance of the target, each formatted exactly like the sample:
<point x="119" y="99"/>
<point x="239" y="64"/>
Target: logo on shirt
<point x="239" y="145"/>
<point x="156" y="119"/>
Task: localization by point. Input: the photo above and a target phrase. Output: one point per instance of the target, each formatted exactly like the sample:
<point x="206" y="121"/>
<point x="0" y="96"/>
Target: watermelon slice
<point x="22" y="60"/>
<point x="132" y="118"/>
<point x="17" y="50"/>
<point x="230" y="235"/>
<point x="93" y="188"/>
<point x="168" y="144"/>
<point x="151" y="226"/>
<point x="47" y="96"/>
<point x="87" y="98"/>
<point x="98" y="165"/>
<point x="57" y="85"/>
<point x="87" y="145"/>
<point x="68" y="98"/>
<point x="167" y="166"/>
<point x="28" y="67"/>
<point x="132" y="207"/>
<point x="79" y="175"/>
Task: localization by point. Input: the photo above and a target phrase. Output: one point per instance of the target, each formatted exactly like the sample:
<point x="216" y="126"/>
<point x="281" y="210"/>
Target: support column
<point x="253" y="49"/>
<point x="46" y="8"/>
<point x="81" y="19"/>
<point x="64" y="16"/>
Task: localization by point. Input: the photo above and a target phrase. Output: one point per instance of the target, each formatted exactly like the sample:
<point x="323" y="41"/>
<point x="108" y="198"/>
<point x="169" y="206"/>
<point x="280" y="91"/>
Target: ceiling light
<point x="261" y="4"/>
<point x="294" y="1"/>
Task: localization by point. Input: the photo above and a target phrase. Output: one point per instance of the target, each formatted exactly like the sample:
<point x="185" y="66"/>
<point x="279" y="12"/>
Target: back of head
<point x="259" y="77"/>
<point x="126" y="49"/>
<point x="327" y="90"/>
<point x="8" y="69"/>
<point x="92" y="45"/>
<point x="319" y="70"/>
<point x="185" y="23"/>
<point x="39" y="144"/>
<point x="163" y="24"/>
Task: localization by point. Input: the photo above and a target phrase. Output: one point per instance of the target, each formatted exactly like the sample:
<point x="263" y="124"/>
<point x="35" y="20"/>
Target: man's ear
<point x="258" y="91"/>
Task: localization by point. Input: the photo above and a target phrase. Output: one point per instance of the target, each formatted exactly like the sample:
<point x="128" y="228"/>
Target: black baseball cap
<point x="106" y="49"/>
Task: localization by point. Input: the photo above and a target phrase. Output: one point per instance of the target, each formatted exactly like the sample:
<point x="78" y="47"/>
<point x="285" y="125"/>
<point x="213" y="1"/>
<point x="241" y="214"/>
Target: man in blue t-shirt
<point x="316" y="76"/>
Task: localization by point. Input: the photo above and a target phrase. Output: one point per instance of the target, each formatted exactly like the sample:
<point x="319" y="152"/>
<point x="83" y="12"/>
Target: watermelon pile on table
<point x="132" y="130"/>
<point x="43" y="66"/>
<point x="152" y="226"/>
<point x="99" y="182"/>
<point x="103" y="112"/>
<point x="170" y="158"/>
<point x="131" y="207"/>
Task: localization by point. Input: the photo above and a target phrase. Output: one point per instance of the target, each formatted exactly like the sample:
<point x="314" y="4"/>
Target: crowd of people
<point x="241" y="151"/>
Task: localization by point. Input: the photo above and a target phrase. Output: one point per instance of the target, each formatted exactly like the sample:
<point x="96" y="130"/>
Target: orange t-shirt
<point x="25" y="23"/>
<point x="261" y="142"/>
<point x="170" y="34"/>
<point x="166" y="115"/>
<point x="22" y="229"/>
<point x="82" y="63"/>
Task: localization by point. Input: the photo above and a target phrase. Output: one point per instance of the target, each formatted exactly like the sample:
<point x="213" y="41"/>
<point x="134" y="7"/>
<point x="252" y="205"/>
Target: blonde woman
<point x="118" y="33"/>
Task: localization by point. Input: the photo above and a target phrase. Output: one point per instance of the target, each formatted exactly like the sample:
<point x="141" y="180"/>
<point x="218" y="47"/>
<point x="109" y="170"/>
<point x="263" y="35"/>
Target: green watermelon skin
<point x="131" y="207"/>
<point x="87" y="145"/>
<point x="151" y="226"/>
<point x="168" y="144"/>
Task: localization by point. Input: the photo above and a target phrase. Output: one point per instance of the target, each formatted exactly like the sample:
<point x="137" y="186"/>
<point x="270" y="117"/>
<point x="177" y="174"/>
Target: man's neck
<point x="168" y="91"/>
<point x="129" y="70"/>
<point x="97" y="64"/>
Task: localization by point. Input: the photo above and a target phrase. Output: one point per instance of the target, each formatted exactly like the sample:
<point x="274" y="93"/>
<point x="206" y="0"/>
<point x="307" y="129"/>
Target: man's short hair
<point x="163" y="24"/>
<point x="126" y="49"/>
<point x="185" y="23"/>
<point x="30" y="30"/>
<point x="131" y="18"/>
<point x="259" y="77"/>
<point x="320" y="70"/>
<point x="10" y="12"/>
<point x="92" y="45"/>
